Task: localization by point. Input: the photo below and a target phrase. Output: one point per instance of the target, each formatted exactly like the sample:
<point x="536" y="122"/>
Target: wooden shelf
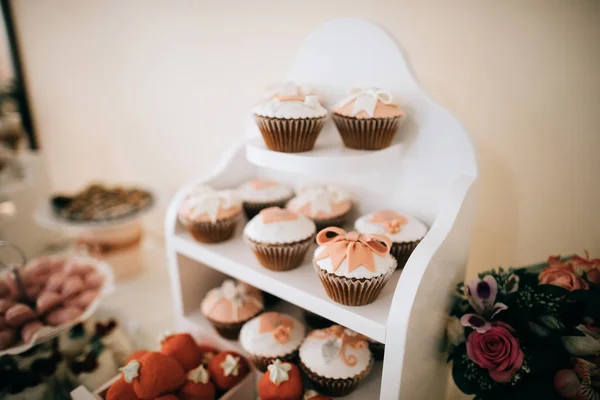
<point x="300" y="286"/>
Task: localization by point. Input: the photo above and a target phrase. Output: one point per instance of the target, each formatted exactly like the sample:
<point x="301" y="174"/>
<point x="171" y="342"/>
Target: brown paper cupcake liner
<point x="212" y="232"/>
<point x="229" y="330"/>
<point x="263" y="362"/>
<point x="353" y="291"/>
<point x="378" y="349"/>
<point x="367" y="134"/>
<point x="252" y="209"/>
<point x="402" y="251"/>
<point x="289" y="135"/>
<point x="335" y="387"/>
<point x="281" y="257"/>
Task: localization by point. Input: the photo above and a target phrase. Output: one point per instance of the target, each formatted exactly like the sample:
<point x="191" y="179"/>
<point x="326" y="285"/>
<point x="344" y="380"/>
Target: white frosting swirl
<point x="279" y="372"/>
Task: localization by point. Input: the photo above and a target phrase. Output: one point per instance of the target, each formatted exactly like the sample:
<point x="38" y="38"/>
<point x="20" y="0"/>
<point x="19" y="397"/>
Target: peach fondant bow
<point x="279" y="324"/>
<point x="390" y="219"/>
<point x="276" y="214"/>
<point x="358" y="248"/>
<point x="347" y="338"/>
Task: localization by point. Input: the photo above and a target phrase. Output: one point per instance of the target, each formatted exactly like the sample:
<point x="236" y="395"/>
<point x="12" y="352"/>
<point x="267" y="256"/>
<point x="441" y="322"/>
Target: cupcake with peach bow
<point x="353" y="267"/>
<point x="335" y="360"/>
<point x="230" y="306"/>
<point x="405" y="231"/>
<point x="279" y="238"/>
<point x="258" y="194"/>
<point x="290" y="118"/>
<point x="367" y="119"/>
<point x="210" y="215"/>
<point x="272" y="336"/>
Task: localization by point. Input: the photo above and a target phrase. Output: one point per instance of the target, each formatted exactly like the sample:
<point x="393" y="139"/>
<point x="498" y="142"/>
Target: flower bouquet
<point x="529" y="333"/>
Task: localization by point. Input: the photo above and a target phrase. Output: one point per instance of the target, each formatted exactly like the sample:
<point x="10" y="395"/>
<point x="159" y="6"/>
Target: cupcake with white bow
<point x="290" y="118"/>
<point x="230" y="306"/>
<point x="210" y="215"/>
<point x="326" y="205"/>
<point x="367" y="119"/>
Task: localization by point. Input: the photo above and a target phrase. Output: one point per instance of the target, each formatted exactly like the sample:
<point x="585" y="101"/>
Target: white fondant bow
<point x="366" y="99"/>
<point x="321" y="198"/>
<point x="210" y="201"/>
<point x="286" y="89"/>
<point x="236" y="294"/>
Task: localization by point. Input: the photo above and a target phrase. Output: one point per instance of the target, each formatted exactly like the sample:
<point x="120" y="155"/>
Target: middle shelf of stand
<point x="300" y="286"/>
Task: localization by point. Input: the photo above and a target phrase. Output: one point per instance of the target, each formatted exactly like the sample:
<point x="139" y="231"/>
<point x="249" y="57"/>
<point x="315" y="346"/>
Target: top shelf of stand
<point x="329" y="154"/>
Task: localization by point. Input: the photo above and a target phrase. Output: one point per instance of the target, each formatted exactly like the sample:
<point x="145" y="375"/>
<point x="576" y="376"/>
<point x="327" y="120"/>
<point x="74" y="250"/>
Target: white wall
<point x="155" y="90"/>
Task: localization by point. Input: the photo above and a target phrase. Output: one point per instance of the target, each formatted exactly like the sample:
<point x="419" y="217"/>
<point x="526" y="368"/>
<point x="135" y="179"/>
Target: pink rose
<point x="563" y="275"/>
<point x="587" y="265"/>
<point x="496" y="350"/>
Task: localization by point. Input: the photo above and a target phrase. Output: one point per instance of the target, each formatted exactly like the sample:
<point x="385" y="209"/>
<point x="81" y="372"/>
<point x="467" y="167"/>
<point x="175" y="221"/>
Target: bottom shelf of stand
<point x="195" y="323"/>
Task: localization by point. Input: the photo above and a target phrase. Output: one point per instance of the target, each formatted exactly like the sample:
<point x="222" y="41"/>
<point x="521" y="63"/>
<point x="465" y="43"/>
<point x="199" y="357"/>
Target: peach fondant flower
<point x="496" y="350"/>
<point x="561" y="274"/>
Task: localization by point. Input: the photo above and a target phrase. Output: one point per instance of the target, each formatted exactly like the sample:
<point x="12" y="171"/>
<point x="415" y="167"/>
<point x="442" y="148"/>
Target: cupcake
<point x="290" y="119"/>
<point x="367" y="119"/>
<point x="282" y="381"/>
<point x="353" y="268"/>
<point x="279" y="238"/>
<point x="405" y="231"/>
<point x="258" y="194"/>
<point x="230" y="306"/>
<point x="326" y="205"/>
<point x="272" y="336"/>
<point x="210" y="215"/>
<point x="335" y="360"/>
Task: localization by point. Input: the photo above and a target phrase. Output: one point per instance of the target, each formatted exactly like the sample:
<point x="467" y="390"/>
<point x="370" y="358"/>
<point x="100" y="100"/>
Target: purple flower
<point x="481" y="294"/>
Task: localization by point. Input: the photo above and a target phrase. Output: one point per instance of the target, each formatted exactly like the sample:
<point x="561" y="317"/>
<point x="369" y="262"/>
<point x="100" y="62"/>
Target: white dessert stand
<point x="430" y="173"/>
